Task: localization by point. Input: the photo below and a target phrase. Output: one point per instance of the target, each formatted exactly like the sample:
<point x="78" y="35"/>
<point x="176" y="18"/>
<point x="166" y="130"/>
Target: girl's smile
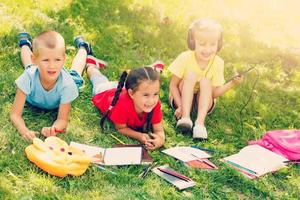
<point x="146" y="96"/>
<point x="206" y="44"/>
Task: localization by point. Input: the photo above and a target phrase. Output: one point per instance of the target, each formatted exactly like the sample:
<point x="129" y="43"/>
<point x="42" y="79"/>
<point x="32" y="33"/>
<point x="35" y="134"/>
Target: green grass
<point x="129" y="34"/>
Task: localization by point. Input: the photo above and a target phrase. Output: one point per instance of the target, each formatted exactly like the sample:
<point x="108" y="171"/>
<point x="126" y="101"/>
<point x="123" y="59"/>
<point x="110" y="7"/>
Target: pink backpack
<point x="283" y="142"/>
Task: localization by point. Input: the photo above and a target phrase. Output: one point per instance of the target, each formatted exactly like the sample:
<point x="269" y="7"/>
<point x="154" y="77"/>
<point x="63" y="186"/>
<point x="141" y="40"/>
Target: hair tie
<point x="158" y="66"/>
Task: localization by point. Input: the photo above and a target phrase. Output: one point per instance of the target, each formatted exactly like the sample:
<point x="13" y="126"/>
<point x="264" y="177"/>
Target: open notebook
<point x="129" y="155"/>
<point x="186" y="154"/>
<point x="191" y="157"/>
<point x="254" y="161"/>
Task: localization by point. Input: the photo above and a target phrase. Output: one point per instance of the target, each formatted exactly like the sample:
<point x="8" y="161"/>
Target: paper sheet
<point x="96" y="153"/>
<point x="123" y="156"/>
<point x="186" y="154"/>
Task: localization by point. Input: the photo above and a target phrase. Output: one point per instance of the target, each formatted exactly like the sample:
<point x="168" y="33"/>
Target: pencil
<point x="117" y="139"/>
<point x="104" y="169"/>
<point x="208" y="163"/>
<point x="204" y="149"/>
<point x="175" y="174"/>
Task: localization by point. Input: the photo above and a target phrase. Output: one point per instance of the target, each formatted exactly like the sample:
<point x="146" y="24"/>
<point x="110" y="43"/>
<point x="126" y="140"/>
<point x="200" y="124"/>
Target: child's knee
<point x="190" y="79"/>
<point x="205" y="82"/>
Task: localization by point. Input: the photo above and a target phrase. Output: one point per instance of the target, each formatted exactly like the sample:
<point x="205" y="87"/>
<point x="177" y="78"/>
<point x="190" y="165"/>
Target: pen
<point x="175" y="174"/>
<point x="242" y="168"/>
<point x="117" y="139"/>
<point x="147" y="170"/>
<point x="292" y="161"/>
<point x="104" y="169"/>
<point x="206" y="161"/>
<point x="204" y="149"/>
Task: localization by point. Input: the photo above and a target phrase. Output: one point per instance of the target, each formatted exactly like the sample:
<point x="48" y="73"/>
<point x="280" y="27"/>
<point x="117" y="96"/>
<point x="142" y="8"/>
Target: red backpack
<point x="283" y="142"/>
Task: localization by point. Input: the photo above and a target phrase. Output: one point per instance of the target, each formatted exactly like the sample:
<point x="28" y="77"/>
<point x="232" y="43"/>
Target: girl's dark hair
<point x="132" y="81"/>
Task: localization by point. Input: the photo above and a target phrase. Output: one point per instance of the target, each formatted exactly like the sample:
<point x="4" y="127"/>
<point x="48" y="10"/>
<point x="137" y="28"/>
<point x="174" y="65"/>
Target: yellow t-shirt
<point x="186" y="62"/>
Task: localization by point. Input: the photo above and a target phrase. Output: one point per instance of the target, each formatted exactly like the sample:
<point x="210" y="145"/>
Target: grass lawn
<point x="129" y="34"/>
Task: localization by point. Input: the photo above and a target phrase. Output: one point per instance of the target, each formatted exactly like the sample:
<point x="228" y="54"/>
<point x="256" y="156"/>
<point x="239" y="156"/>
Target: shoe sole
<point x="199" y="139"/>
<point x="184" y="128"/>
<point x="24" y="35"/>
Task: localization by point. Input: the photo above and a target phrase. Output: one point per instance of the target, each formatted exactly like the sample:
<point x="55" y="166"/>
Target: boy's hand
<point x="178" y="112"/>
<point x="49" y="131"/>
<point x="29" y="135"/>
<point x="155" y="143"/>
<point x="238" y="79"/>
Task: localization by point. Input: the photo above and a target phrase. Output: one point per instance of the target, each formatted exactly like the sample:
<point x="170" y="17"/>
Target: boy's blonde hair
<point x="48" y="39"/>
<point x="200" y="25"/>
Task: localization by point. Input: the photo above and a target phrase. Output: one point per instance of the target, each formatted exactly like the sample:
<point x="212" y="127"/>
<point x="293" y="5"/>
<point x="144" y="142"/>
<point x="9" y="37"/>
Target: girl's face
<point x="146" y="96"/>
<point x="206" y="44"/>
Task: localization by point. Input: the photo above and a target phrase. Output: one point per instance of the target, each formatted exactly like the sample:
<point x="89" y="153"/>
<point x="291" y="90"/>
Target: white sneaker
<point x="199" y="132"/>
<point x="184" y="124"/>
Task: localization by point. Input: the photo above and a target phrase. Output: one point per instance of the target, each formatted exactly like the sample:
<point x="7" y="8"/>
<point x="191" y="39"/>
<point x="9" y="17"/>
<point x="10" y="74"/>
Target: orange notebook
<point x="204" y="163"/>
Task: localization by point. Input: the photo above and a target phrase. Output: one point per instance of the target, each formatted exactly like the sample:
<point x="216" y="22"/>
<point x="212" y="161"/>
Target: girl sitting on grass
<point x="135" y="109"/>
<point x="198" y="77"/>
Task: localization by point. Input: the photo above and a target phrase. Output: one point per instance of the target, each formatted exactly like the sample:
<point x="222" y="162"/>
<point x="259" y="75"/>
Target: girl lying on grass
<point x="135" y="109"/>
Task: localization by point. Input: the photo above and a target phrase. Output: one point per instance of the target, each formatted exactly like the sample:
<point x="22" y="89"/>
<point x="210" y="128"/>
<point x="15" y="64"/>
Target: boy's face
<point x="206" y="44"/>
<point x="49" y="62"/>
<point x="146" y="96"/>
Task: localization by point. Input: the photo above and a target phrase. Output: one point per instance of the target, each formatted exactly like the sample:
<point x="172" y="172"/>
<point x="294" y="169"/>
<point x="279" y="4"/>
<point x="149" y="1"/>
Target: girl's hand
<point x="178" y="112"/>
<point x="155" y="142"/>
<point x="48" y="131"/>
<point x="238" y="79"/>
<point x="144" y="137"/>
<point x="29" y="135"/>
<point x="144" y="140"/>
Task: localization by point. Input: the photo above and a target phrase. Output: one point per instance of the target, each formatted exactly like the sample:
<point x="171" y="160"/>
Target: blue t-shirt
<point x="64" y="91"/>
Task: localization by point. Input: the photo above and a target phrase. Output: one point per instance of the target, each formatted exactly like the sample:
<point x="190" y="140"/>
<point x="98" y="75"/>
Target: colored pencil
<point x="117" y="139"/>
<point x="175" y="174"/>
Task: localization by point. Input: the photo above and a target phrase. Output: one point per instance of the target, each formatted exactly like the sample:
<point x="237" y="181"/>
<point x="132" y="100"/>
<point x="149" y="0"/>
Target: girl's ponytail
<point x="116" y="97"/>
